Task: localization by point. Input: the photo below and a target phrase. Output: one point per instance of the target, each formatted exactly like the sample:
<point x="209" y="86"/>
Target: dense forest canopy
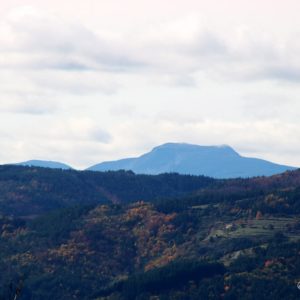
<point x="117" y="235"/>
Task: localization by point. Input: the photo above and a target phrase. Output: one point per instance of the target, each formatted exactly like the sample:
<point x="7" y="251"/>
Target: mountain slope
<point x="27" y="191"/>
<point x="63" y="235"/>
<point x="138" y="251"/>
<point x="213" y="161"/>
<point x="45" y="164"/>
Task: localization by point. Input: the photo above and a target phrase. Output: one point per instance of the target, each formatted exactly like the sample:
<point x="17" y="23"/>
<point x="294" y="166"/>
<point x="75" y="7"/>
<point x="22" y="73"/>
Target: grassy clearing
<point x="251" y="228"/>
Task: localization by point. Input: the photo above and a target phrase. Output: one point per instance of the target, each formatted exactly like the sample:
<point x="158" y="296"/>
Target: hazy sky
<point x="87" y="81"/>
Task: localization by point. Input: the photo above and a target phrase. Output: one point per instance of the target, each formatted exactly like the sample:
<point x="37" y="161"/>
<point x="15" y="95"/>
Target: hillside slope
<point x="244" y="249"/>
<point x="29" y="191"/>
<point x="86" y="235"/>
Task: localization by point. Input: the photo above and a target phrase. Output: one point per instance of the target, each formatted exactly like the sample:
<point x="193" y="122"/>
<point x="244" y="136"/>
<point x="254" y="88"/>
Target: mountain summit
<point x="45" y="164"/>
<point x="214" y="161"/>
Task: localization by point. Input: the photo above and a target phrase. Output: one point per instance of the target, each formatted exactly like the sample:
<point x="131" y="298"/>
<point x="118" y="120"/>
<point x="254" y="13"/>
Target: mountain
<point x="212" y="161"/>
<point x="45" y="164"/>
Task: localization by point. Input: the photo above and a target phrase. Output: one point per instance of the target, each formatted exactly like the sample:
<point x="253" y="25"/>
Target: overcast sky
<point x="86" y="81"/>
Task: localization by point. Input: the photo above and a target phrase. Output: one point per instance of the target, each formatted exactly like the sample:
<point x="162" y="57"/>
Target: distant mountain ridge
<point x="213" y="161"/>
<point x="45" y="164"/>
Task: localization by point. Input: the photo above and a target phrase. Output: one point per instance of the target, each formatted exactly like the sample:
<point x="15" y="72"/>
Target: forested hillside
<point x="30" y="191"/>
<point x="117" y="235"/>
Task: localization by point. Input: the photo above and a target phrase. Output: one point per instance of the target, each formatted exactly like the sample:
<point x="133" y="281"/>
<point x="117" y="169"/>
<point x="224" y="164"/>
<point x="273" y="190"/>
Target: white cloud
<point x="83" y="86"/>
<point x="33" y="40"/>
<point x="26" y="103"/>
